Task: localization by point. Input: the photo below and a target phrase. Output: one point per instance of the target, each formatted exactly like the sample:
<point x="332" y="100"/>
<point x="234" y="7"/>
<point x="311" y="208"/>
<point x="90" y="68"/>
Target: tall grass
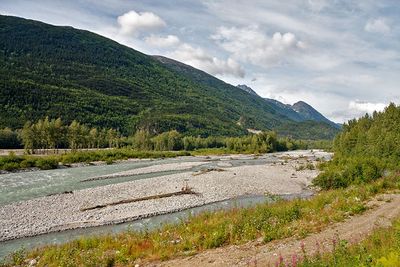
<point x="380" y="249"/>
<point x="269" y="221"/>
<point x="117" y="154"/>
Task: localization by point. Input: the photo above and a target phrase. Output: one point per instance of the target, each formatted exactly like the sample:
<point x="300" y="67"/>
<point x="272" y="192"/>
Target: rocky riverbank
<point x="67" y="211"/>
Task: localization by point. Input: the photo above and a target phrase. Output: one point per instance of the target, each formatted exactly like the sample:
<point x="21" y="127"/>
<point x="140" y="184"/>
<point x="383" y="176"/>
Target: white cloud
<point x="200" y="59"/>
<point x="317" y="5"/>
<point x="160" y="41"/>
<point x="377" y="26"/>
<point x="249" y="44"/>
<point x="366" y="107"/>
<point x="352" y="79"/>
<point x="133" y="22"/>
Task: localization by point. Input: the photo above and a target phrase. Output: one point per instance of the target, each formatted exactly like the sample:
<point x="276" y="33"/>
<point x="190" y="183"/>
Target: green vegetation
<point x="381" y="249"/>
<point x="269" y="221"/>
<point x="13" y="162"/>
<point x="306" y="166"/>
<point x="52" y="134"/>
<point x="77" y="75"/>
<point x="367" y="149"/>
<point x="9" y="138"/>
<point x="48" y="136"/>
<point x="110" y="155"/>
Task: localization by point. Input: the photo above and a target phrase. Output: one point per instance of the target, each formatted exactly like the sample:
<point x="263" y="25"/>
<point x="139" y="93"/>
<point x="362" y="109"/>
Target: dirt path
<point x="383" y="210"/>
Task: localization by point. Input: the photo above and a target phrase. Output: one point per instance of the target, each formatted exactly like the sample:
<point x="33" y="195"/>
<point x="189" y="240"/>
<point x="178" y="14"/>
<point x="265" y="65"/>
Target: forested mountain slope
<point x="63" y="72"/>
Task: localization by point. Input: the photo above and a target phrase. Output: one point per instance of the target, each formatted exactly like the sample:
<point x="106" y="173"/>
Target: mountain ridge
<point x="299" y="111"/>
<point x="59" y="71"/>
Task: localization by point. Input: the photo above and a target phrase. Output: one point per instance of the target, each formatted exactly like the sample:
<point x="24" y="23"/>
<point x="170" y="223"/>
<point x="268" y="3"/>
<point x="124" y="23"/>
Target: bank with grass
<point x="381" y="248"/>
<point x="214" y="229"/>
<point x="108" y="156"/>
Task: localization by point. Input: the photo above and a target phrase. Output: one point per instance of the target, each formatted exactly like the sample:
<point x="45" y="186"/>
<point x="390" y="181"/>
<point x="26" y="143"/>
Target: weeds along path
<point x="383" y="209"/>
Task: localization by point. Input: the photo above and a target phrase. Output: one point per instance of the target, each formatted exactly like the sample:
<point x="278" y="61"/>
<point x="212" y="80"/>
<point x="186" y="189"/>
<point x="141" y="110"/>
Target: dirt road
<point x="382" y="211"/>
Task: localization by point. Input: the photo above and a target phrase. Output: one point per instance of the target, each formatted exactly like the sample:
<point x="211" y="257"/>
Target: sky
<point x="340" y="56"/>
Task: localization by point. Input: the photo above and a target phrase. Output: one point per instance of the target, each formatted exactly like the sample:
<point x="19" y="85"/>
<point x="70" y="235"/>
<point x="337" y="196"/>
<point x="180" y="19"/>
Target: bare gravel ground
<point x="63" y="211"/>
<point x="151" y="169"/>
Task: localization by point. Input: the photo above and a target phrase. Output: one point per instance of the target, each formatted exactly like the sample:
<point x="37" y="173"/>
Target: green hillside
<point x="367" y="149"/>
<point x="74" y="74"/>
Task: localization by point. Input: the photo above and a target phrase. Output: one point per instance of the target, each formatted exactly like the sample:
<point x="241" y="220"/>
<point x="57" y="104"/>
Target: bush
<point x="354" y="170"/>
<point x="10" y="166"/>
<point x="27" y="163"/>
<point x="47" y="163"/>
<point x="109" y="161"/>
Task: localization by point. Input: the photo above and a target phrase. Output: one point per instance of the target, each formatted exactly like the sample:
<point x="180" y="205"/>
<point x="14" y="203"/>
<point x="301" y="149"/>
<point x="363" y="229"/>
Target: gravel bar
<point x="63" y="211"/>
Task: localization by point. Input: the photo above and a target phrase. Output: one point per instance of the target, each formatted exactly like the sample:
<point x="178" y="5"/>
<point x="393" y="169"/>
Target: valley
<point x="199" y="133"/>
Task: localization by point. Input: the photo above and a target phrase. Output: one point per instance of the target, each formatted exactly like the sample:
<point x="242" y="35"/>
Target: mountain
<point x="247" y="89"/>
<point x="309" y="113"/>
<point x="285" y="110"/>
<point x="64" y="72"/>
<point x="300" y="111"/>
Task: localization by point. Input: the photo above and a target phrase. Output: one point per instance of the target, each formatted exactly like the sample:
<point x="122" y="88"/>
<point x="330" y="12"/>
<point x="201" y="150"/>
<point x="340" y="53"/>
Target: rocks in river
<point x="63" y="211"/>
<point x="65" y="192"/>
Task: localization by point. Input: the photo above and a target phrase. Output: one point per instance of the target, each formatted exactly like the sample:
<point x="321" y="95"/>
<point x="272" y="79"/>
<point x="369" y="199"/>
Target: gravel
<point x="151" y="169"/>
<point x="63" y="211"/>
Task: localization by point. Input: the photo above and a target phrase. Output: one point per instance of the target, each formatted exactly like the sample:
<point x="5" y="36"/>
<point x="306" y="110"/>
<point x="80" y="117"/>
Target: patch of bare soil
<point x="383" y="210"/>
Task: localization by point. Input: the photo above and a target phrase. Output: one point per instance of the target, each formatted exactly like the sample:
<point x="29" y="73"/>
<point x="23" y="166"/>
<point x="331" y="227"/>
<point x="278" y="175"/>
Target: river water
<point x="16" y="187"/>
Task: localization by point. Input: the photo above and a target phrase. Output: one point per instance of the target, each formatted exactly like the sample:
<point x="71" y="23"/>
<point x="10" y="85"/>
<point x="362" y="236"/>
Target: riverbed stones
<point x="63" y="211"/>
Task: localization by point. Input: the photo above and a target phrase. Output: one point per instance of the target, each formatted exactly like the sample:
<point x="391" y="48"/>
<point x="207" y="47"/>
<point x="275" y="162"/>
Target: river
<point x="16" y="187"/>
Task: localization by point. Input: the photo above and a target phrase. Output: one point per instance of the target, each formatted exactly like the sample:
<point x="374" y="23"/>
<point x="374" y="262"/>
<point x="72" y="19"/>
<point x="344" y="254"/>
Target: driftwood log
<point x="185" y="191"/>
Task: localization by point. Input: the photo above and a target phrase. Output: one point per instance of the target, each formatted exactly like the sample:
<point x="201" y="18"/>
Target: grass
<point x="216" y="151"/>
<point x="269" y="221"/>
<point x="13" y="162"/>
<point x="306" y="166"/>
<point x="380" y="249"/>
<point x="108" y="155"/>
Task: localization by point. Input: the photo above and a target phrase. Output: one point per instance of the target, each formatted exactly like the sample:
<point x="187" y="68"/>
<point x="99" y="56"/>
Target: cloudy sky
<point x="341" y="56"/>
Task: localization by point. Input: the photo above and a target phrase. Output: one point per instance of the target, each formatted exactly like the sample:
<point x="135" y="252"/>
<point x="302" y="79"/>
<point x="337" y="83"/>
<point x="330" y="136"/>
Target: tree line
<point x="263" y="142"/>
<point x="52" y="134"/>
<point x="366" y="149"/>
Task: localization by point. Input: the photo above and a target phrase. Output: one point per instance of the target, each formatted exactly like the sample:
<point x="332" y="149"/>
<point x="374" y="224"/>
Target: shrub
<point x="47" y="163"/>
<point x="27" y="163"/>
<point x="355" y="170"/>
<point x="10" y="166"/>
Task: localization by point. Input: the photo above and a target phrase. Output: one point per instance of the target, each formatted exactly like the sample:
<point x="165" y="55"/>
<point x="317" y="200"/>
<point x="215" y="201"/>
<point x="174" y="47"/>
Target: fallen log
<point x="184" y="191"/>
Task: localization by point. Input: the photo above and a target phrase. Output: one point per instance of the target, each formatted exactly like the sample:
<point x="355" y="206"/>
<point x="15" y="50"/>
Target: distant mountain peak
<point x="299" y="111"/>
<point x="300" y="103"/>
<point x="310" y="113"/>
<point x="247" y="89"/>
